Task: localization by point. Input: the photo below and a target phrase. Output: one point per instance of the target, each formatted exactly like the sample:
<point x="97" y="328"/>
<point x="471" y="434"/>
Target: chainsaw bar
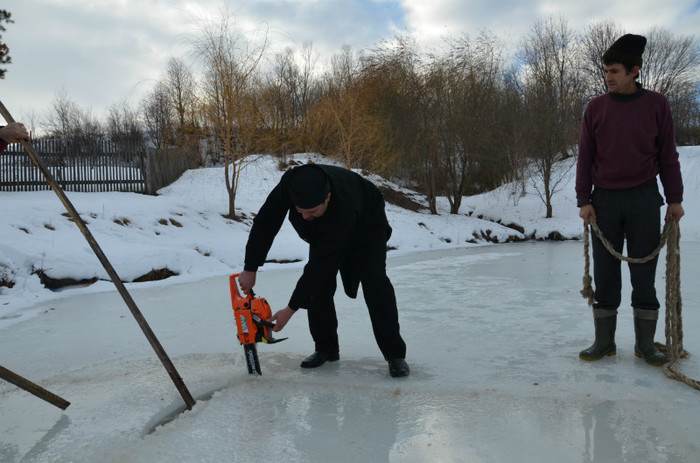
<point x="251" y="359"/>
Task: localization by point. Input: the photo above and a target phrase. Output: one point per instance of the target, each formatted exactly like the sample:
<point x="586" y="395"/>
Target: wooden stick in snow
<point x="32" y="388"/>
<point x="165" y="360"/>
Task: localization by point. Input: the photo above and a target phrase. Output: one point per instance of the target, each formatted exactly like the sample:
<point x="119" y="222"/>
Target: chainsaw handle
<point x="262" y="322"/>
<point x="236" y="292"/>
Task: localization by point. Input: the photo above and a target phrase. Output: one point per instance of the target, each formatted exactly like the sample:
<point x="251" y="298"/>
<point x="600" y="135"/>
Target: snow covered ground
<point x="493" y="334"/>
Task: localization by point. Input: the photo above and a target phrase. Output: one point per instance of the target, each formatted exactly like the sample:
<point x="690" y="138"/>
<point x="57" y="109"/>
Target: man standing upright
<point x="627" y="140"/>
<point x="341" y="215"/>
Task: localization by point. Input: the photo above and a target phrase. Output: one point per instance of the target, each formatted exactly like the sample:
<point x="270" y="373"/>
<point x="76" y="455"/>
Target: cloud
<point x="105" y="52"/>
<point x="512" y="19"/>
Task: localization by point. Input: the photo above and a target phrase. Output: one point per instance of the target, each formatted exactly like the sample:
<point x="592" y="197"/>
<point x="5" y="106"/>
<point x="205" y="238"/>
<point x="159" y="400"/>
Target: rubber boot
<point x="605" y="322"/>
<point x="644" y="330"/>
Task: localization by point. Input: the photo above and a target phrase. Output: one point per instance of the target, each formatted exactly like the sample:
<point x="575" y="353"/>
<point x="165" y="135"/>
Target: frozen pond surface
<point x="493" y="337"/>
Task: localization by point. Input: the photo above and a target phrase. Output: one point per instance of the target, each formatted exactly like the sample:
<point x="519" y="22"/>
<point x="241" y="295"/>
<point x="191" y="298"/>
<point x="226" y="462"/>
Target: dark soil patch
<point x="57" y="283"/>
<point x="400" y="199"/>
<point x="283" y="261"/>
<point x="556" y="236"/>
<point x="155" y="275"/>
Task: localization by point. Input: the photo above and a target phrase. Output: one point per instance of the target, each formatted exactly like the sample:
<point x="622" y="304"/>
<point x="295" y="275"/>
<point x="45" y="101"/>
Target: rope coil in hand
<point x="674" y="323"/>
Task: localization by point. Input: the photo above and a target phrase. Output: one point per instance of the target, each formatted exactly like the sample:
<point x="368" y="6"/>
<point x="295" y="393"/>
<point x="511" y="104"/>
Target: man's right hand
<point x="586" y="213"/>
<point x="246" y="280"/>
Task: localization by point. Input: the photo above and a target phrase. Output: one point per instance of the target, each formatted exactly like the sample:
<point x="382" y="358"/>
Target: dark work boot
<point x="644" y="330"/>
<point x="605" y="322"/>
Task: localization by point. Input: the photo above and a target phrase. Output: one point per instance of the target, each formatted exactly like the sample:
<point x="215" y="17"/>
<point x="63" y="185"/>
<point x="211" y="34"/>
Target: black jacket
<point x="355" y="215"/>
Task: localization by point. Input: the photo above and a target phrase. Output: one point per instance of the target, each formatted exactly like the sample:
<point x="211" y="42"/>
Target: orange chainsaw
<point x="251" y="314"/>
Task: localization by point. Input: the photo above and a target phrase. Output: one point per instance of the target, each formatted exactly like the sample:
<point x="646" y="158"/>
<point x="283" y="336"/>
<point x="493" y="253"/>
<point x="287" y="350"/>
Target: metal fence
<point x="104" y="166"/>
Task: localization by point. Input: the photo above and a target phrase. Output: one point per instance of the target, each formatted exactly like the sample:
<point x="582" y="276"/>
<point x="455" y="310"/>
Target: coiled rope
<point x="674" y="323"/>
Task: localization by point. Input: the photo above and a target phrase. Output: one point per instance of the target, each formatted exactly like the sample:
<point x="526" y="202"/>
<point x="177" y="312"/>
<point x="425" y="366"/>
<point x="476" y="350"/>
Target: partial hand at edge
<point x="674" y="210"/>
<point x="14" y="132"/>
<point x="281" y="317"/>
<point x="586" y="213"/>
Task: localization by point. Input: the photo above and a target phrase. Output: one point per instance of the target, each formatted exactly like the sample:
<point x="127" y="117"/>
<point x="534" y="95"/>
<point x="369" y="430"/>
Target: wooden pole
<point x="165" y="360"/>
<point x="24" y="383"/>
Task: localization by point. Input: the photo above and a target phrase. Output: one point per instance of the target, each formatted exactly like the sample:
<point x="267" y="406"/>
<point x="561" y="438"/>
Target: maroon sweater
<point x="626" y="141"/>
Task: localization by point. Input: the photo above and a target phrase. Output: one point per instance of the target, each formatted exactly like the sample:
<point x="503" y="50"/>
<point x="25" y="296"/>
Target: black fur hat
<point x="626" y="50"/>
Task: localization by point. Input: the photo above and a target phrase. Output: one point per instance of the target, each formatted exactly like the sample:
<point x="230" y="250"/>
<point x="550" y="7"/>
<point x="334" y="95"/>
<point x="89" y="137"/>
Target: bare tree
<point x="80" y="130"/>
<point x="686" y="115"/>
<point x="511" y="142"/>
<point x="431" y="126"/>
<point x="280" y="99"/>
<point x="309" y="92"/>
<point x="670" y="63"/>
<point x="474" y="69"/>
<point x="124" y="126"/>
<point x="355" y="127"/>
<point x="158" y="117"/>
<point x="230" y="106"/>
<point x="288" y="93"/>
<point x="164" y="162"/>
<point x="344" y="69"/>
<point x="32" y="120"/>
<point x="409" y="110"/>
<point x="594" y="42"/>
<point x="182" y="92"/>
<point x="672" y="67"/>
<point x="553" y="91"/>
<point x="182" y="86"/>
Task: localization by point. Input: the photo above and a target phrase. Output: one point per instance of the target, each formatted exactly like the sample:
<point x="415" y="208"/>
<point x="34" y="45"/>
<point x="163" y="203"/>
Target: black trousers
<point x="366" y="264"/>
<point x="632" y="216"/>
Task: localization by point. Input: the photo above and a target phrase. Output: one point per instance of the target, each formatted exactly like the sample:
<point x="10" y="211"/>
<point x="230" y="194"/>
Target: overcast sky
<point x="103" y="52"/>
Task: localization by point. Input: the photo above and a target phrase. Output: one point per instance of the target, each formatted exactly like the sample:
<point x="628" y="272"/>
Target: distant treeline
<point x="455" y="120"/>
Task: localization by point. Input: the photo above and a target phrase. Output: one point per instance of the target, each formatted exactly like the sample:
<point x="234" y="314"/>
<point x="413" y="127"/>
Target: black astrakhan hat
<point x="626" y="50"/>
<point x="308" y="186"/>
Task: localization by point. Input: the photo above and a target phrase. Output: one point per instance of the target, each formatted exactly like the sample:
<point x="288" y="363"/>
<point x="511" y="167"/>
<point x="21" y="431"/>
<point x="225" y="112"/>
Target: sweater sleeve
<point x="266" y="225"/>
<point x="584" y="162"/>
<point x="669" y="166"/>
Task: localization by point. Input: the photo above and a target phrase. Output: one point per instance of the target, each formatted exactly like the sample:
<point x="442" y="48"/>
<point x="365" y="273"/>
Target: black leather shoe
<point x="398" y="368"/>
<point x="319" y="358"/>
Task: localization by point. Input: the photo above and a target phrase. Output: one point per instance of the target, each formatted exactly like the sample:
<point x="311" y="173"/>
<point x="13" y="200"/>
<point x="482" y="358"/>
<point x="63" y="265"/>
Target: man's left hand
<point x="281" y="317"/>
<point x="675" y="210"/>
